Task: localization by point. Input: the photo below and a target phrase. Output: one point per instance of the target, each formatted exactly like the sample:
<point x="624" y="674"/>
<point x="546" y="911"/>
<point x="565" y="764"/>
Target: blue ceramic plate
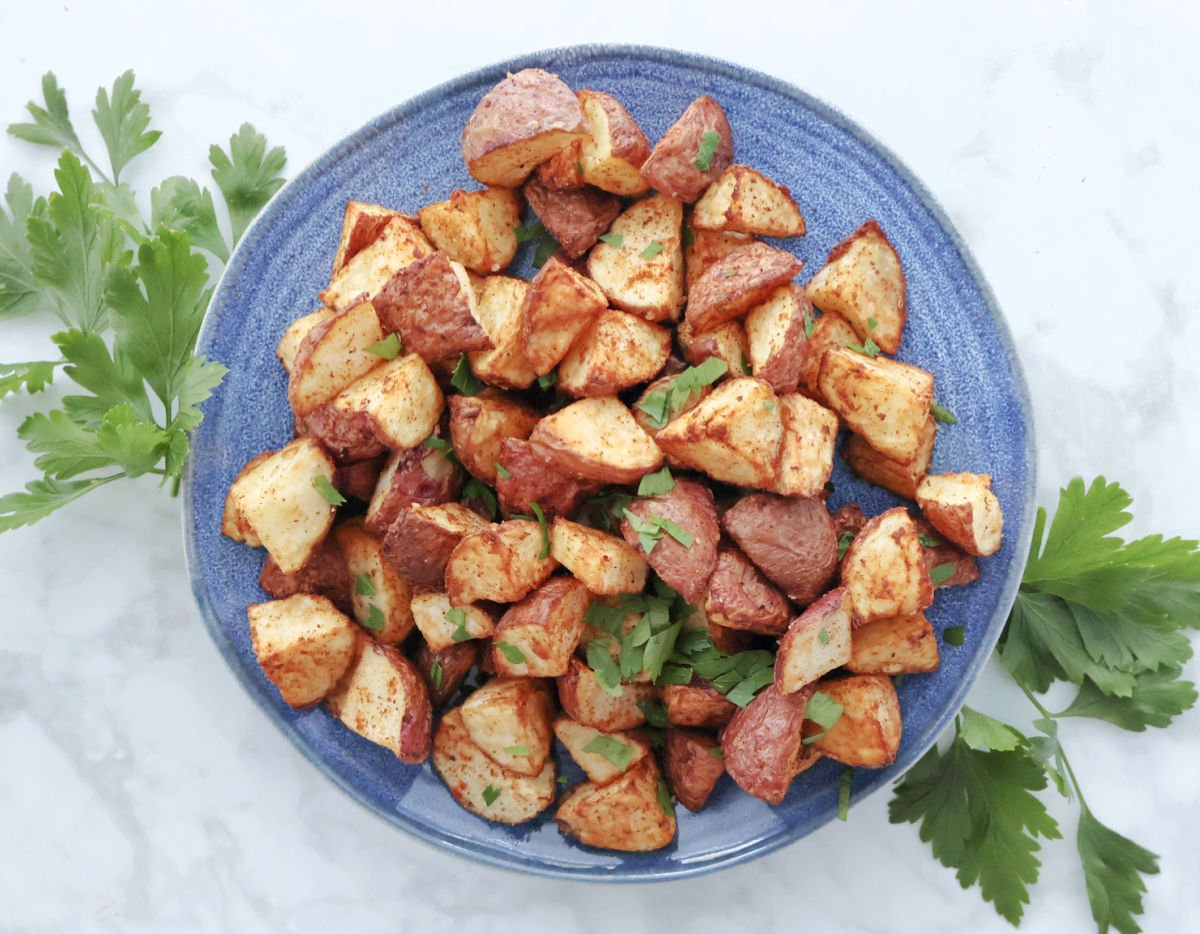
<point x="840" y="176"/>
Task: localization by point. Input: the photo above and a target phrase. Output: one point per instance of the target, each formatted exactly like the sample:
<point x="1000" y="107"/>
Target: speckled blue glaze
<point x="840" y="176"/>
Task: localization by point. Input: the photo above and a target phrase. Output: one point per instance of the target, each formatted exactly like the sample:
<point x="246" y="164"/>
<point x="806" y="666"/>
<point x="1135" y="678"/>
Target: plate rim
<point x="516" y="862"/>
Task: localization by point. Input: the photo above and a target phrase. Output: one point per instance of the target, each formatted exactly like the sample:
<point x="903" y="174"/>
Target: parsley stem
<point x="1036" y="703"/>
<point x="1062" y="753"/>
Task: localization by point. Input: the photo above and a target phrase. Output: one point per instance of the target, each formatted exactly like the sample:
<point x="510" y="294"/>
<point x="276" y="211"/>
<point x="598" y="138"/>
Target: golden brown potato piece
<point x="383" y="698"/>
<point x="294" y="336"/>
<point x="612" y="155"/>
<point x="936" y="551"/>
<point x="739" y="597"/>
<point x="381" y="597"/>
<point x="480" y="785"/>
<point x="523" y="120"/>
<point x="500" y="305"/>
<point x="693" y="153"/>
<point x="863" y="282"/>
<point x="763" y="743"/>
<point x="617" y="351"/>
<point x="884" y="570"/>
<point x="443" y="624"/>
<point x="563" y="170"/>
<point x="421" y="539"/>
<point x="332" y="356"/>
<point x="816" y="642"/>
<point x="602" y="562"/>
<point x="963" y="507"/>
<point x="349" y="436"/>
<point x="280" y="505"/>
<point x="536" y="636"/>
<point x="790" y="539"/>
<point x="576" y="219"/>
<point x="868" y="731"/>
<point x="233" y="524"/>
<point x="585" y="701"/>
<point x="707" y="247"/>
<point x="640" y="265"/>
<point x="500" y="563"/>
<point x="900" y="478"/>
<point x="475" y="228"/>
<point x="625" y="814"/>
<point x="746" y="201"/>
<point x="694" y="763"/>
<point x="900" y="645"/>
<point x="731" y="287"/>
<point x="829" y="330"/>
<point x="432" y="304"/>
<point x="420" y="476"/>
<point x="398" y="243"/>
<point x="689" y="506"/>
<point x="885" y="401"/>
<point x="532" y="476"/>
<point x="358" y="480"/>
<point x="401" y="398"/>
<point x="806" y="457"/>
<point x="733" y="435"/>
<point x="598" y="439"/>
<point x="509" y="719"/>
<point x="446" y="669"/>
<point x="602" y="756"/>
<point x="727" y="342"/>
<point x="362" y="225"/>
<point x="775" y="330"/>
<point x="697" y="704"/>
<point x="324" y="574"/>
<point x="559" y="305"/>
<point x="480" y="424"/>
<point x="304" y="645"/>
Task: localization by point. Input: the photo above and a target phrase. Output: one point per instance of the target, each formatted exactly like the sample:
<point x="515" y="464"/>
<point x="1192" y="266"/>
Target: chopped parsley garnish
<point x="503" y="472"/>
<point x="809" y="324"/>
<point x="608" y="675"/>
<point x="518" y="750"/>
<point x="490" y="795"/>
<point x="844" y="794"/>
<point x="663" y="404"/>
<point x="439" y="444"/>
<point x="942" y="414"/>
<point x="940" y="573"/>
<point x="708" y="148"/>
<point x="375" y="620"/>
<point x="651" y="530"/>
<point x="323" y="485"/>
<point x="613" y="239"/>
<point x="616" y="752"/>
<point x="844" y="541"/>
<point x="388" y="348"/>
<point x="823" y="636"/>
<point x="652" y="250"/>
<point x="541" y="520"/>
<point x="657" y="483"/>
<point x="546" y="381"/>
<point x="526" y="233"/>
<point x="868" y="348"/>
<point x="436" y="674"/>
<point x="954" y="635"/>
<point x="364" y="586"/>
<point x="930" y="541"/>
<point x="872" y="324"/>
<point x="716" y="752"/>
<point x="730" y="273"/>
<point x="689" y="237"/>
<point x="514" y="655"/>
<point x="823" y="710"/>
<point x="747" y="368"/>
<point x="475" y="489"/>
<point x="655" y="713"/>
<point x="463" y="379"/>
<point x="456" y="616"/>
<point x="546" y="248"/>
<point x="664" y="798"/>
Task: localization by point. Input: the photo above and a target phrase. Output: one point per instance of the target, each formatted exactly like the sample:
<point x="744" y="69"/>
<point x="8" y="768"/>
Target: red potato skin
<point x="456" y="660"/>
<point x="348" y="436"/>
<point x="561" y="171"/>
<point x="543" y="607"/>
<point x="698" y="704"/>
<point x="790" y="539"/>
<point x="739" y="597"/>
<point x="324" y="573"/>
<point x="692" y="769"/>
<point x="783" y="369"/>
<point x="568" y="699"/>
<point x="418" y="549"/>
<point x="576" y="219"/>
<point x="848" y="518"/>
<point x="536" y="478"/>
<point x="671" y="165"/>
<point x="358" y="479"/>
<point x="413" y="485"/>
<point x="689" y="505"/>
<point x="367" y="228"/>
<point x="628" y="140"/>
<point x="966" y="568"/>
<point x="424" y="302"/>
<point x="531" y="98"/>
<point x="758" y="270"/>
<point x="763" y="743"/>
<point x="416" y="725"/>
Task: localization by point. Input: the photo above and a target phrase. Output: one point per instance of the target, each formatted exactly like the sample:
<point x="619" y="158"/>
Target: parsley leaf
<point x="123" y="119"/>
<point x="456" y="616"/>
<point x="655" y="713"/>
<point x="323" y="485"/>
<point x="619" y="754"/>
<point x="463" y="378"/>
<point x="954" y="635"/>
<point x="181" y="204"/>
<point x="1157" y="698"/>
<point x="388" y="348"/>
<point x="518" y="750"/>
<point x="652" y="250"/>
<point x="364" y="586"/>
<point x="657" y="483"/>
<point x="663" y="404"/>
<point x="930" y="541"/>
<point x="547" y="381"/>
<point x="503" y="472"/>
<point x="541" y="520"/>
<point x="1112" y="870"/>
<point x="844" y="541"/>
<point x="480" y="492"/>
<point x="940" y="573"/>
<point x="612" y="239"/>
<point x="809" y="324"/>
<point x="664" y="799"/>
<point x="19" y="291"/>
<point x="524" y="233"/>
<point x="823" y="710"/>
<point x="375" y="620"/>
<point x="437" y="674"/>
<point x="707" y="149"/>
<point x="32" y="377"/>
<point x="42" y="497"/>
<point x="868" y="348"/>
<point x="608" y="675"/>
<point x="490" y="794"/>
<point x="546" y="248"/>
<point x="248" y="175"/>
<point x="942" y="414"/>
<point x="511" y="652"/>
<point x="51" y="124"/>
<point x="844" y="789"/>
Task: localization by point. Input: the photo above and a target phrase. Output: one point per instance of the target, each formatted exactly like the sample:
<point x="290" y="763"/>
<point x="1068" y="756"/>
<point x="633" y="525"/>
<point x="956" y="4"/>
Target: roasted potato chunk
<point x="868" y="731"/>
<point x="432" y="305"/>
<point x="697" y="704"/>
<point x="640" y="267"/>
<point x="938" y="551"/>
<point x="233" y="524"/>
<point x="500" y="563"/>
<point x="399" y="242"/>
<point x="479" y="426"/>
<point x="532" y="476"/>
<point x="693" y="153"/>
<point x="444" y="624"/>
<point x="900" y="645"/>
<point x="523" y="120"/>
<point x="383" y="698"/>
<point x="612" y="155"/>
<point x="763" y="743"/>
<point x="563" y="170"/>
<point x="475" y="228"/>
<point x="739" y="597"/>
<point x="602" y="756"/>
<point x="536" y="636"/>
<point x="727" y="342"/>
<point x="349" y="436"/>
<point x="885" y="401"/>
<point x="381" y="598"/>
<point x="602" y="562"/>
<point x="694" y="764"/>
<point x="731" y="287"/>
<point x="863" y="282"/>
<point x="332" y="356"/>
<point x="624" y="814"/>
<point x="304" y="644"/>
<point x="884" y="570"/>
<point x="829" y="330"/>
<point x="901" y="478"/>
<point x="421" y="539"/>
<point x="806" y="456"/>
<point x="707" y="247"/>
<point x="689" y="506"/>
<point x="733" y="435"/>
<point x="617" y="351"/>
<point x="746" y="201"/>
<point x="963" y="507"/>
<point x="576" y="219"/>
<point x="401" y="398"/>
<point x="509" y="719"/>
<point x="598" y="439"/>
<point x="362" y="225"/>
<point x="775" y="332"/>
<point x="324" y="574"/>
<point x="790" y="539"/>
<point x="500" y="311"/>
<point x="446" y="669"/>
<point x="816" y="642"/>
<point x="559" y="305"/>
<point x="293" y="337"/>
<point x="585" y="701"/>
<point x="480" y="785"/>
<point x="420" y="476"/>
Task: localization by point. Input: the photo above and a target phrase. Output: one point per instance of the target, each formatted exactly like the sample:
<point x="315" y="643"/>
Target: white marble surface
<point x="141" y="790"/>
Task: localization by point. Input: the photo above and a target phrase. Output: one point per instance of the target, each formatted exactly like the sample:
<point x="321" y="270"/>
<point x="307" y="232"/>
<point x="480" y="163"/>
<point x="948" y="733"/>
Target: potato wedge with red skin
<point x="965" y="567"/>
<point x="501" y="301"/>
<point x="598" y="439"/>
<point x="671" y="166"/>
<point x="900" y="645"/>
<point x="480" y="424"/>
<point x="612" y="155"/>
<point x="599" y="769"/>
<point x="763" y="743"/>
<point x="420" y="476"/>
<point x="521" y="122"/>
<point x="383" y="698"/>
<point x="585" y="701"/>
<point x="746" y="201"/>
<point x="304" y="645"/>
<point x="362" y="223"/>
<point x="576" y="219"/>
<point x="618" y="350"/>
<point x="294" y="336"/>
<point x="694" y="763"/>
<point x="775" y="331"/>
<point x="901" y="478"/>
<point x="863" y="281"/>
<point x="432" y="305"/>
<point x="559" y="305"/>
<point x="605" y="564"/>
<point x="233" y="523"/>
<point x="806" y="456"/>
<point x="727" y="342"/>
<point x="534" y="477"/>
<point x="358" y="480"/>
<point x="739" y="597"/>
<point x="401" y="400"/>
<point x="708" y="247"/>
<point x="467" y="773"/>
<point x="431" y="611"/>
<point x="868" y="732"/>
<point x="624" y="814"/>
<point x="501" y="563"/>
<point x="790" y="539"/>
<point x="690" y="506"/>
<point x="506" y="714"/>
<point x="745" y="278"/>
<point x="370" y="571"/>
<point x="454" y="664"/>
<point x="475" y="228"/>
<point x="545" y="627"/>
<point x="698" y="704"/>
<point x="323" y="574"/>
<point x="816" y="642"/>
<point x="962" y="507"/>
<point x="639" y="267"/>
<point x="398" y="243"/>
<point x="333" y="355"/>
<point x="562" y="171"/>
<point x="884" y="569"/>
<point x="421" y="539"/>
<point x="828" y="330"/>
<point x="848" y="518"/>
